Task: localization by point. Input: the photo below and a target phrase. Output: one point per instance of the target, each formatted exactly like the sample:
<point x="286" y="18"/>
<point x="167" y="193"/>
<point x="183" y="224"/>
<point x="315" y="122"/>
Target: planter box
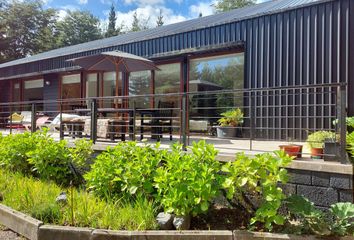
<point x="226" y="132"/>
<point x="34" y="230"/>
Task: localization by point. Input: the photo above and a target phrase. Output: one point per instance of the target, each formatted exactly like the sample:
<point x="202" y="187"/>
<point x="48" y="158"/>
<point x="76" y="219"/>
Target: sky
<point x="172" y="10"/>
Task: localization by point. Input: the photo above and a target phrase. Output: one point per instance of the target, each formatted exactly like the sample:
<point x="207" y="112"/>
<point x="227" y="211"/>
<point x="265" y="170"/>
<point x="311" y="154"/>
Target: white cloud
<point x="205" y="8"/>
<point x="142" y="3"/>
<point x="82" y="2"/>
<point x="62" y="14"/>
<point x="63" y="11"/>
<point x="178" y="1"/>
<point x="108" y="2"/>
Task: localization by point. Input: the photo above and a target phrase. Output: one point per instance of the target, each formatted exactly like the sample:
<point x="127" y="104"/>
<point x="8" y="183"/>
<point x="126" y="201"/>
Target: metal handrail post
<point x="251" y="119"/>
<point x="33" y="119"/>
<point x="342" y="126"/>
<point x="184" y="121"/>
<point x="93" y="135"/>
<point x="61" y="129"/>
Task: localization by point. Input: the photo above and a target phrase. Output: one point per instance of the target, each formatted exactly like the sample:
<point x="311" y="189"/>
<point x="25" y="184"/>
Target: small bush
<point x="14" y="149"/>
<point x="126" y="169"/>
<point x="187" y="183"/>
<point x="258" y="176"/>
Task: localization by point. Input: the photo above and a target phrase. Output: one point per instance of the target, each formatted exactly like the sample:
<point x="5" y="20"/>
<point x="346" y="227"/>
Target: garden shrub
<point x="126" y="169"/>
<point x="337" y="221"/>
<point x="55" y="161"/>
<point x="14" y="149"/>
<point x="259" y="176"/>
<point x="188" y="182"/>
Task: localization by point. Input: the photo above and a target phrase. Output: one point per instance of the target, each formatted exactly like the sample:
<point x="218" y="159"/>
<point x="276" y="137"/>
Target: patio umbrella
<point x="114" y="60"/>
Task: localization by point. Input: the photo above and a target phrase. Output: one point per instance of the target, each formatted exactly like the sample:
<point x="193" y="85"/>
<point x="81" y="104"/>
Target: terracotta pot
<point x="317" y="153"/>
<point x="292" y="150"/>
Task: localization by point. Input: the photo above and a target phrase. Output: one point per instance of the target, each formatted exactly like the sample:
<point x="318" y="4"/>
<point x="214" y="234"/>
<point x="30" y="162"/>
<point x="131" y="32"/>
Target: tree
<point x="79" y="27"/>
<point x="26" y="29"/>
<point x="112" y="30"/>
<point x="139" y="23"/>
<point x="227" y="5"/>
<point x="136" y="23"/>
<point x="160" y="21"/>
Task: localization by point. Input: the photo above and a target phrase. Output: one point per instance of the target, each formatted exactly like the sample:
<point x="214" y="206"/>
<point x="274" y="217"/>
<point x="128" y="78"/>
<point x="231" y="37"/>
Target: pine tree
<point x="136" y="23"/>
<point x="227" y="5"/>
<point x="111" y="30"/>
<point x="160" y="21"/>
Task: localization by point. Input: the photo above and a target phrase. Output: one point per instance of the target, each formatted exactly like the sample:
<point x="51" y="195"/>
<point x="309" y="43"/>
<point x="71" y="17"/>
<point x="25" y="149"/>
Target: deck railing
<point x="282" y="114"/>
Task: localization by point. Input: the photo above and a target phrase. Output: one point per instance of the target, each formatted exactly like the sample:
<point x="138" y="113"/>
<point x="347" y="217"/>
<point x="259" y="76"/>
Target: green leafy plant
<point x="51" y="160"/>
<point x="316" y="139"/>
<point x="37" y="198"/>
<point x="188" y="182"/>
<point x="128" y="168"/>
<point x="14" y="148"/>
<point x="338" y="221"/>
<point x="81" y="153"/>
<point x="232" y="118"/>
<point x="258" y="176"/>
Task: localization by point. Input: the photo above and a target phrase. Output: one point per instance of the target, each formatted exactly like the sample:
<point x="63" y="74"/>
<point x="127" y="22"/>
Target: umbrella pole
<point x="117" y="87"/>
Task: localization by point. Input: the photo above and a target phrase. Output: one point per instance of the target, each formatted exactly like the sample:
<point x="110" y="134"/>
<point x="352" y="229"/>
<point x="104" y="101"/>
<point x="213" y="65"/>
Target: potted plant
<point x="316" y="142"/>
<point x="293" y="150"/>
<point x="228" y="123"/>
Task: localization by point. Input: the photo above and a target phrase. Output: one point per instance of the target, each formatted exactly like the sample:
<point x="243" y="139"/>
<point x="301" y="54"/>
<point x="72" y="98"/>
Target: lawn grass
<point x="37" y="199"/>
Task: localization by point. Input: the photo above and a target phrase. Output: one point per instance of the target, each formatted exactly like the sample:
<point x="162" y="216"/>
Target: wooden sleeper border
<point x="35" y="230"/>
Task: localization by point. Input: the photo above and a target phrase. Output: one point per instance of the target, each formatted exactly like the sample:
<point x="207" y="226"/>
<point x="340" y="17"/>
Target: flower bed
<point x="127" y="186"/>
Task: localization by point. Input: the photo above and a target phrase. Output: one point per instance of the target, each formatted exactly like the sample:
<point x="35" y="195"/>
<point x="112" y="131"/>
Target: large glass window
<point x="33" y="90"/>
<point x="216" y="73"/>
<point x="91" y="85"/>
<point x="168" y="80"/>
<point x="71" y="86"/>
<point x="109" y="88"/>
<point x="140" y="84"/>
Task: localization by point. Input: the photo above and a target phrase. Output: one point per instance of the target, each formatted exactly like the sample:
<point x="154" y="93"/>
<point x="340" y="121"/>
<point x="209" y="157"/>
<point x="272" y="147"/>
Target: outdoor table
<point x="129" y="111"/>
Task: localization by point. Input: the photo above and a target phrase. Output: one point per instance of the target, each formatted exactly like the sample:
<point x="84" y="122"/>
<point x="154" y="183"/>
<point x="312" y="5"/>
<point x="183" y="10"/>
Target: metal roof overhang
<point x="162" y="56"/>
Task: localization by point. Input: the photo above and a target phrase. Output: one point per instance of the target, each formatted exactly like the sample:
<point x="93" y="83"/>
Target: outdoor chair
<point x="40" y="122"/>
<point x="160" y="119"/>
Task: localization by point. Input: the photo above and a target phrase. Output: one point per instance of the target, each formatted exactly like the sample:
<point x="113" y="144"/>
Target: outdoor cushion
<point x="198" y="125"/>
<point x="16" y="118"/>
<point x="65" y="117"/>
<point x="27" y="117"/>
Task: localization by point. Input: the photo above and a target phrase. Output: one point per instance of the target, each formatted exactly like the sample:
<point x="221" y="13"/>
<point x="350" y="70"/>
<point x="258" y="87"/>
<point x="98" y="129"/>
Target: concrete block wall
<point x="322" y="188"/>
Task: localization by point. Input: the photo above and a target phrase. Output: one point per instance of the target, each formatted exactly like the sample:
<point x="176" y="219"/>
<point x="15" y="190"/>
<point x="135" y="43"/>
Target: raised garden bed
<point x="127" y="186"/>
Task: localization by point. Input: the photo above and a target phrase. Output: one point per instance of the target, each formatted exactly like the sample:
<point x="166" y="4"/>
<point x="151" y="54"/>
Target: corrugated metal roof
<point x="186" y="26"/>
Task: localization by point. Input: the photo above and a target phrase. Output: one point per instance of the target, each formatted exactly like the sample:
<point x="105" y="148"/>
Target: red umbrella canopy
<point x="114" y="60"/>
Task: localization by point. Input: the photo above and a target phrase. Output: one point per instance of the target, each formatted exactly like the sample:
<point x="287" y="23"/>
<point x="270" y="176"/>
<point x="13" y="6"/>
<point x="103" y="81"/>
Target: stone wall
<point x="322" y="188"/>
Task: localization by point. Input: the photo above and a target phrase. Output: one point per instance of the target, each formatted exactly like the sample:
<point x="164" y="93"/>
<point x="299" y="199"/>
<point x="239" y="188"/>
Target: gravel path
<point x="6" y="234"/>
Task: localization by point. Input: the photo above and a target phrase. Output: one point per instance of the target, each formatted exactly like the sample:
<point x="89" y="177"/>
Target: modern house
<point x="269" y="47"/>
<point x="288" y="64"/>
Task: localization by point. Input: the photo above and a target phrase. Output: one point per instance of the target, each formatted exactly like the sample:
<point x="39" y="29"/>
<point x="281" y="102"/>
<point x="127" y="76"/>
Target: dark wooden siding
<point x="51" y="91"/>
